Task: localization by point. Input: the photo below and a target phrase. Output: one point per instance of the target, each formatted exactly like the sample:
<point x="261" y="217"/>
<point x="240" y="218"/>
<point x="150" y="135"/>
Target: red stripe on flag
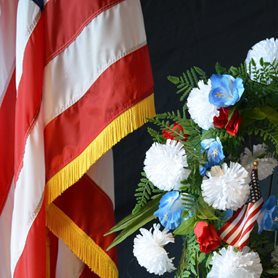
<point x="7" y="120"/>
<point x="31" y="263"/>
<point x="87" y="273"/>
<point x="122" y="85"/>
<point x="60" y="26"/>
<point x="29" y="92"/>
<point x="97" y="215"/>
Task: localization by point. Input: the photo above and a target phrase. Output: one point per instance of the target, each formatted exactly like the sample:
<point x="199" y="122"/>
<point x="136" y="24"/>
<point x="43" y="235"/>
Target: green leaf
<point x="271" y="114"/>
<point x="219" y="69"/>
<point x="201" y="257"/>
<point x="253" y="113"/>
<point x="253" y="63"/>
<point x="262" y="113"/>
<point x="232" y="111"/>
<point x="129" y="221"/>
<point x="185" y="227"/>
<point x="233" y="71"/>
<point x="208" y="260"/>
<point x="143" y="220"/>
<point x="262" y="61"/>
<point x="174" y="79"/>
<point x="204" y="211"/>
<point x="272" y="271"/>
<point x="193" y="270"/>
<point x="186" y="274"/>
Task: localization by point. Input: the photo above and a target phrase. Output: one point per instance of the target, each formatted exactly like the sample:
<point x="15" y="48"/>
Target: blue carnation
<point x="170" y="210"/>
<point x="268" y="218"/>
<point x="225" y="90"/>
<point x="214" y="151"/>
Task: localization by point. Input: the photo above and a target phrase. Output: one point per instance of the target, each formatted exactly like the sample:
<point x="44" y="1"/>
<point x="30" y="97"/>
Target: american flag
<point x="75" y="78"/>
<point x="237" y="230"/>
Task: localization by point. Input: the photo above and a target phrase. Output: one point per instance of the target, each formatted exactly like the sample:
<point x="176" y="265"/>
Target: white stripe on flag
<point x="110" y="36"/>
<point x="102" y="173"/>
<point x="26" y="22"/>
<point x="7" y="44"/>
<point x="29" y="190"/>
<point x="68" y="265"/>
<point x="5" y="235"/>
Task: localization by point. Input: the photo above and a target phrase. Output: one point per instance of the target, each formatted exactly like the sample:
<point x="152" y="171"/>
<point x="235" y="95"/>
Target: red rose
<point x="222" y="120"/>
<point x="207" y="237"/>
<point x="168" y="133"/>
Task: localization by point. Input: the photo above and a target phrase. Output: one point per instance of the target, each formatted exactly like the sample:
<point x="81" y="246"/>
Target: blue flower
<point x="214" y="151"/>
<point x="228" y="214"/>
<point x="225" y="90"/>
<point x="170" y="210"/>
<point x="268" y="218"/>
<point x="203" y="169"/>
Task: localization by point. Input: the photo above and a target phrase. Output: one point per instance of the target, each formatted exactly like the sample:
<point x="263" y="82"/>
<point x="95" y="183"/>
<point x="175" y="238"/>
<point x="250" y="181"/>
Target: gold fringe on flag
<point x="125" y="123"/>
<point x="80" y="243"/>
<point x="59" y="223"/>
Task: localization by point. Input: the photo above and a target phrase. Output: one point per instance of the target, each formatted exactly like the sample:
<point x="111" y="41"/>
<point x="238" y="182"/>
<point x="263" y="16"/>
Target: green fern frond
<point x="157" y="137"/>
<point x="265" y="73"/>
<point x="143" y="193"/>
<point x="187" y="81"/>
<point x="267" y="135"/>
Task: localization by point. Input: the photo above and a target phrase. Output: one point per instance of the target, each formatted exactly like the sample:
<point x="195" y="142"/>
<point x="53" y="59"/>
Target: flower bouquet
<point x="201" y="176"/>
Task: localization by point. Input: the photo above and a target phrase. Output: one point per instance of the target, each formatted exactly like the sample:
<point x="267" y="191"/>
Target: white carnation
<point x="149" y="251"/>
<point x="229" y="263"/>
<point x="226" y="187"/>
<point x="200" y="109"/>
<point x="266" y="49"/>
<point x="266" y="162"/>
<point x="165" y="165"/>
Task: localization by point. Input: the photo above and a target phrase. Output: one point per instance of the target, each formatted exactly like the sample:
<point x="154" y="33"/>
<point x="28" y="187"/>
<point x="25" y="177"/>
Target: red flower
<point x="222" y="121"/>
<point x="207" y="237"/>
<point x="168" y="134"/>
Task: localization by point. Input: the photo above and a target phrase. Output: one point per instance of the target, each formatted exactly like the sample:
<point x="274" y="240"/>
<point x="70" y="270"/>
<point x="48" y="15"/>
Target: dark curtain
<point x="181" y="34"/>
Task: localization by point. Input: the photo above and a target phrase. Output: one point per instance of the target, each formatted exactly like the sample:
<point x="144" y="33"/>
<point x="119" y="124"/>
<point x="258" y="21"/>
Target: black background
<point x="181" y="34"/>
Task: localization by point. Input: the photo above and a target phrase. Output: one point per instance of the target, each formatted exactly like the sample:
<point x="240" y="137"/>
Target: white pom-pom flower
<point x="229" y="263"/>
<point x="267" y="163"/>
<point x="226" y="187"/>
<point x="165" y="165"/>
<point x="266" y="49"/>
<point x="149" y="250"/>
<point x="200" y="109"/>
